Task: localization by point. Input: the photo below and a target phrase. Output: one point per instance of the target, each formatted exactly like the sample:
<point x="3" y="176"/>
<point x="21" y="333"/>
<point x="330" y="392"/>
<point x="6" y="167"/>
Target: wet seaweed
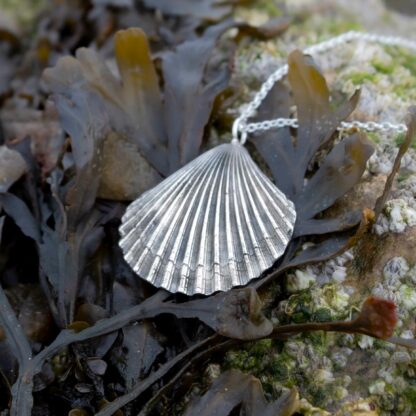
<point x="234" y="389"/>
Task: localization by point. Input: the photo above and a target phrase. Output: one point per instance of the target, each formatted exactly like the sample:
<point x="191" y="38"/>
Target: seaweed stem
<point x="22" y="390"/>
<point x="411" y="132"/>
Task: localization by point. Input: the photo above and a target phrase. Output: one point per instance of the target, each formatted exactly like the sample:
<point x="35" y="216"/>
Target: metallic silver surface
<point x="215" y="224"/>
<point x="242" y="128"/>
<point x="344" y="125"/>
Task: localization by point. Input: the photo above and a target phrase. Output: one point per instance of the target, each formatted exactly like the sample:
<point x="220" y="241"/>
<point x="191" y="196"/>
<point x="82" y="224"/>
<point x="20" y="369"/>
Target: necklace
<point x="219" y="221"/>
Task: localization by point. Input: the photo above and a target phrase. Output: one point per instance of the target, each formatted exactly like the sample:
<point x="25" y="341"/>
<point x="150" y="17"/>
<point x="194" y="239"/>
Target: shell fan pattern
<point x="216" y="223"/>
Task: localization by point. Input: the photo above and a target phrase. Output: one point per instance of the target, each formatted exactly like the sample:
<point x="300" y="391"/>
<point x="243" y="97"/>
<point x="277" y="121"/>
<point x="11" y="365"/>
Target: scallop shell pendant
<point x="214" y="224"/>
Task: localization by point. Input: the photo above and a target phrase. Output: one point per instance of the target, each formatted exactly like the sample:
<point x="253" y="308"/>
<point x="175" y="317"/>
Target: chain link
<point x="241" y="128"/>
<point x="373" y="126"/>
<point x="271" y="124"/>
<point x="345" y="125"/>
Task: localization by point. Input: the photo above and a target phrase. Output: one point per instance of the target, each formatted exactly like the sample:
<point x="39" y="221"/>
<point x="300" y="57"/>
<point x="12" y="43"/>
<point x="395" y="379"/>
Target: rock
<point x="32" y="310"/>
<point x="125" y="173"/>
<point x="372" y="375"/>
<point x="43" y="128"/>
<point x="12" y="167"/>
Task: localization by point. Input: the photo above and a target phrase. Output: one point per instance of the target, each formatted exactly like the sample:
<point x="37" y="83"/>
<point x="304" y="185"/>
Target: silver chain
<point x="241" y="127"/>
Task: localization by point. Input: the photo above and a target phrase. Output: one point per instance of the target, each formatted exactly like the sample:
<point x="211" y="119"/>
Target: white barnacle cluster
<point x="300" y="279"/>
<point x="332" y="271"/>
<point x="397" y="216"/>
<point x="399" y="212"/>
<point x="399" y="284"/>
<point x="395" y="369"/>
<point x="319" y="291"/>
<point x="382" y="160"/>
<point x="326" y="360"/>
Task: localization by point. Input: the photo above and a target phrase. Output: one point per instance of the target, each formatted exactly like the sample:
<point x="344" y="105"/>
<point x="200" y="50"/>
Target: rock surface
<point x="349" y="374"/>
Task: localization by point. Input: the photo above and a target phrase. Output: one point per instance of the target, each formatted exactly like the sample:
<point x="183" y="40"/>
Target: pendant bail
<point x="238" y="132"/>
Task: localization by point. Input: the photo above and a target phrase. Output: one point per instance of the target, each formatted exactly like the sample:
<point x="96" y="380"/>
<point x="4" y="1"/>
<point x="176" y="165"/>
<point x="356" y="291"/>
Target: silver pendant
<point x="215" y="224"/>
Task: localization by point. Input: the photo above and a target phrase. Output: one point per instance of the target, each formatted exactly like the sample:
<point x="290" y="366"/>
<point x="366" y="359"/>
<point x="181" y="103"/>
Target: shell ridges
<point x="216" y="223"/>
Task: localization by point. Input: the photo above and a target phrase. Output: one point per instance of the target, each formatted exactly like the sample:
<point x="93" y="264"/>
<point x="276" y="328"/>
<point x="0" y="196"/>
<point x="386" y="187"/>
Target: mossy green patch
<point x="318" y="395"/>
<point x="280" y="369"/>
<point x="322" y="315"/>
<point x="374" y="137"/>
<point x="403" y="177"/>
<point x="359" y="78"/>
<point x="268" y="6"/>
<point x="298" y="310"/>
<point x="383" y="67"/>
<point x="262" y="347"/>
<point x="404" y="87"/>
<point x="399" y="139"/>
<point x="239" y="359"/>
<point x="334" y="27"/>
<point x="319" y="341"/>
<point x="404" y="58"/>
<point x="24" y="11"/>
<point x="251" y="359"/>
<point x="386" y="401"/>
<point x="410" y="395"/>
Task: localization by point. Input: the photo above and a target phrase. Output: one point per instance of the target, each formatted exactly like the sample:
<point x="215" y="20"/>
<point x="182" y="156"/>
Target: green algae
<point x="298" y="361"/>
<point x="403" y="58"/>
<point x="359" y="78"/>
<point x="374" y="137"/>
<point x="399" y="140"/>
<point x="281" y="370"/>
<point x="268" y="6"/>
<point x="322" y="315"/>
<point x="336" y="27"/>
<point x="410" y="395"/>
<point x="383" y="68"/>
<point x="317" y="364"/>
<point x="24" y="11"/>
<point x="403" y="73"/>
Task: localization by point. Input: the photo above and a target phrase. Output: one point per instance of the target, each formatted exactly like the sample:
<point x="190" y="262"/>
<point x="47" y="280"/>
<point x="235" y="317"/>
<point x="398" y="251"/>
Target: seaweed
<point x="408" y="139"/>
<point x="235" y="389"/>
<point x="206" y="9"/>
<point x="291" y="157"/>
